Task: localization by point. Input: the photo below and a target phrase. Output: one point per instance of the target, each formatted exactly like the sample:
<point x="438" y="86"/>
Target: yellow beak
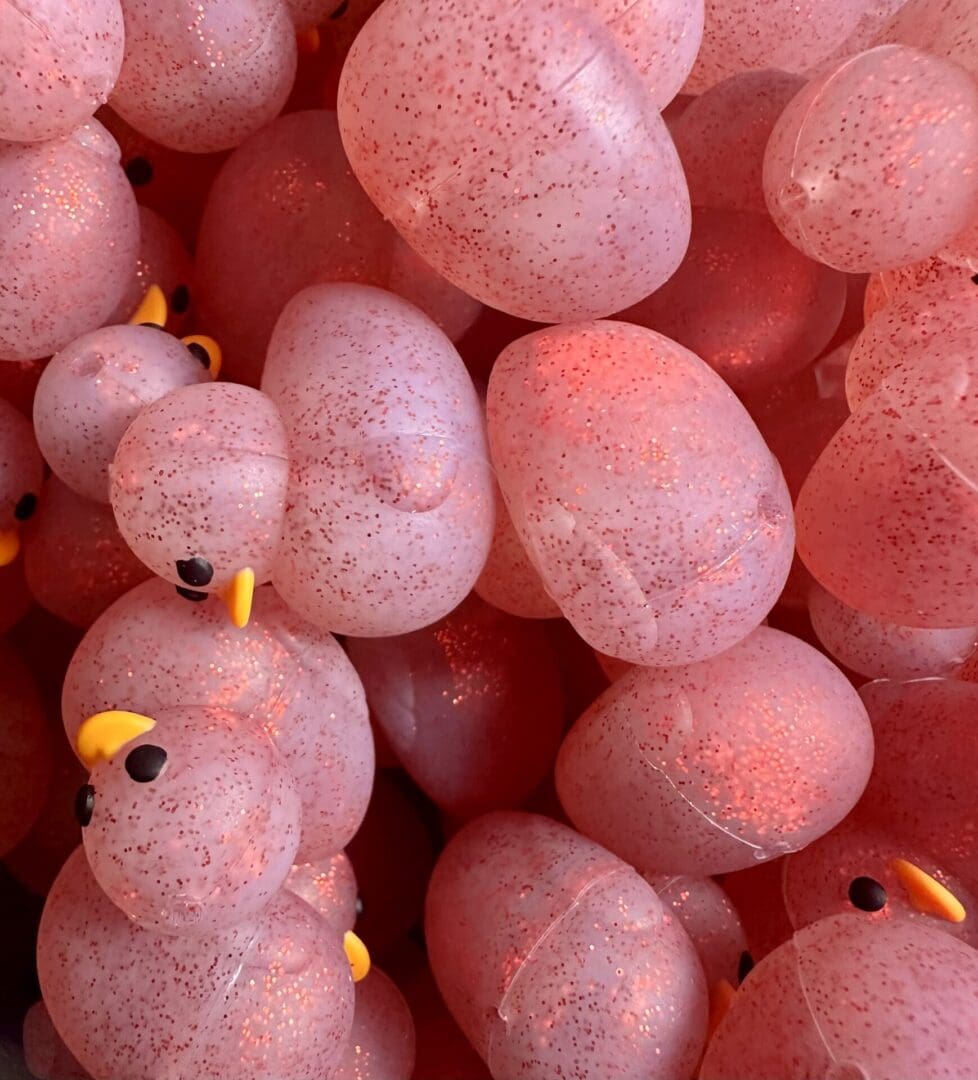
<point x="308" y="40"/>
<point x="721" y="998"/>
<point x="356" y="953"/>
<point x="9" y="546"/>
<point x="103" y="735"/>
<point x="927" y="894"/>
<point x="239" y="597"/>
<point x="152" y="309"/>
<point x="210" y="347"/>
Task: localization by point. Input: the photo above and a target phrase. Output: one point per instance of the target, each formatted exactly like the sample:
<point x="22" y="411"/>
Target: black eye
<point x="26" y="505"/>
<point x="200" y="354"/>
<point x="191" y="594"/>
<point x="84" y="804"/>
<point x="867" y="894"/>
<point x="180" y="300"/>
<point x="145" y="763"/>
<point x="358" y="907"/>
<point x="745" y="967"/>
<point x="974" y="278"/>
<point x="139" y="171"/>
<point x="195" y="572"/>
